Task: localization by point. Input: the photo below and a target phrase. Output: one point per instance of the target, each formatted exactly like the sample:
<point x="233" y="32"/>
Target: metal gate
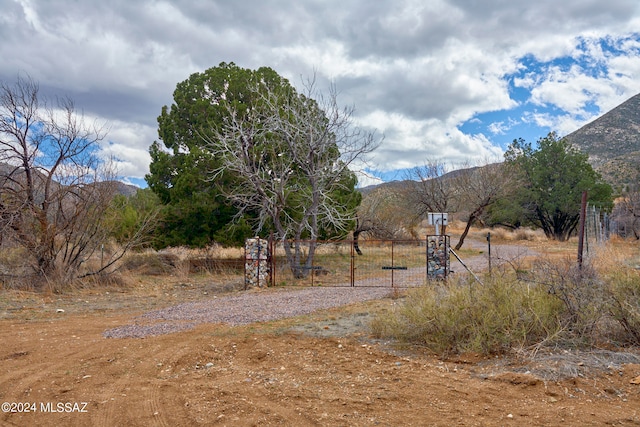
<point x="401" y="263"/>
<point x="373" y="263"/>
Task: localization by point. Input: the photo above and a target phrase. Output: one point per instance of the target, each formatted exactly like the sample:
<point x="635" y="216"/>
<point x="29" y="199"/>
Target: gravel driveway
<point x="245" y="308"/>
<point x="261" y="306"/>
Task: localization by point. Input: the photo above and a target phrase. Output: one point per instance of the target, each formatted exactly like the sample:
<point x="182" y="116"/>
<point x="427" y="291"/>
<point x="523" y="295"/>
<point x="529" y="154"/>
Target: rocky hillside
<point x="613" y="143"/>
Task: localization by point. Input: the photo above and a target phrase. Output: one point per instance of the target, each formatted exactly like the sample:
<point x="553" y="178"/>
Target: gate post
<point x="353" y="263"/>
<point x="438" y="263"/>
<point x="256" y="264"/>
<point x="272" y="260"/>
<point x="392" y="264"/>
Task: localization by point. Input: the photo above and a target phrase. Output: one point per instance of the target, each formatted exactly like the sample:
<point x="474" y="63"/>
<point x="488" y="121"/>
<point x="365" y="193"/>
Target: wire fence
<point x="378" y="263"/>
<point x="598" y="226"/>
<point x="390" y="263"/>
<point x="372" y="263"/>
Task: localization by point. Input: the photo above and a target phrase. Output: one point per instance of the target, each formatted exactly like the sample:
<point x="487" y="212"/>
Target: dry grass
<point x="615" y="253"/>
<point x="546" y="301"/>
<point x="183" y="262"/>
<point x="503" y="235"/>
<point x="463" y="317"/>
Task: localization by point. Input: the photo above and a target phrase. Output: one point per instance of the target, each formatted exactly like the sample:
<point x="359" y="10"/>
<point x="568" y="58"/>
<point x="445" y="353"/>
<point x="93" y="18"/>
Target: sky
<point x="451" y="81"/>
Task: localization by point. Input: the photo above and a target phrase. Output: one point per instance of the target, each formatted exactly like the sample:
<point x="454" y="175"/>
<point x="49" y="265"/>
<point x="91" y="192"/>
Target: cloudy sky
<point x="448" y="80"/>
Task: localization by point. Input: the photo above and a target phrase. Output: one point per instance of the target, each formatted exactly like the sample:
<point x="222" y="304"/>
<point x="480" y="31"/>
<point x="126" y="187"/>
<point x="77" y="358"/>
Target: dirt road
<point x="321" y="369"/>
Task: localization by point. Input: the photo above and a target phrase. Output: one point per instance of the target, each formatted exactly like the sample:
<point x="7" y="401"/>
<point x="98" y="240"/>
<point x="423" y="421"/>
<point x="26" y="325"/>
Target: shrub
<point x="580" y="290"/>
<point x="501" y="234"/>
<point x="554" y="302"/>
<point x="490" y="318"/>
<point x="623" y="303"/>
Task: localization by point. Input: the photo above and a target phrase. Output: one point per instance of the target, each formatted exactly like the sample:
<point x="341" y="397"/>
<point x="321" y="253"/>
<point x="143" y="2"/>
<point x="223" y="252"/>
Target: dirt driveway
<point x="58" y="368"/>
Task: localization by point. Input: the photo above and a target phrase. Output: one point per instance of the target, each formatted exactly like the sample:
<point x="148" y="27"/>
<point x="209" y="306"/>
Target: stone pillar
<point x="438" y="262"/>
<point x="256" y="264"/>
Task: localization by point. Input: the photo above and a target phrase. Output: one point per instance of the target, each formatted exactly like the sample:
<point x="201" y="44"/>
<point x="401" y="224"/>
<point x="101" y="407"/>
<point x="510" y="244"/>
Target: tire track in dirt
<point x="146" y="405"/>
<point x="153" y="406"/>
<point x="33" y="381"/>
<point x="74" y="373"/>
<point x="138" y="373"/>
<point x="105" y="415"/>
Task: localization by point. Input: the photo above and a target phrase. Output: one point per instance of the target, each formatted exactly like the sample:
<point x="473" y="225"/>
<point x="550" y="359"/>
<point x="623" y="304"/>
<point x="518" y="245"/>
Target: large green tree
<point x="243" y="151"/>
<point x="196" y="213"/>
<point x="134" y="217"/>
<point x="552" y="178"/>
<point x="290" y="157"/>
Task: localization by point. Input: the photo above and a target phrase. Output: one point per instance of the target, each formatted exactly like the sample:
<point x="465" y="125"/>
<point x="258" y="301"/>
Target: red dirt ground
<point x="278" y="374"/>
<point x="318" y="370"/>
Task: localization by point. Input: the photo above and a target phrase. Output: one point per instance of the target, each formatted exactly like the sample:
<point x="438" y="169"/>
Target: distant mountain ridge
<point x="120" y="187"/>
<point x="612" y="142"/>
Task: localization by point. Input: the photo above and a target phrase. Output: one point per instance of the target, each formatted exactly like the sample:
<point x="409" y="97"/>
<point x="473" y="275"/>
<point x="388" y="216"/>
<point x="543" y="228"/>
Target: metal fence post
<point x="426" y="257"/>
<point x="392" y="264"/>
<point x="352" y="264"/>
<point x="489" y="247"/>
<point x="272" y="260"/>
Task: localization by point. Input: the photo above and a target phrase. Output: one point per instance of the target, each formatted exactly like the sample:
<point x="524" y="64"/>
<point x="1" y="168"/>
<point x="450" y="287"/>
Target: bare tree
<point x="626" y="213"/>
<point x="480" y="187"/>
<point x="435" y="188"/>
<point x="467" y="191"/>
<point x="50" y="203"/>
<point x="290" y="157"/>
<point x="385" y="214"/>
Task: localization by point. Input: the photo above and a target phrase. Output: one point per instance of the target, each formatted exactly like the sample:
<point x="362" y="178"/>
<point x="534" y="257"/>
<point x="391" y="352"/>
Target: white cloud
<point x="501" y="127"/>
<point x="569" y="90"/>
<point x="366" y="179"/>
<point x="562" y="124"/>
<point x="413" y="142"/>
<point x="414" y="70"/>
<point x="128" y="145"/>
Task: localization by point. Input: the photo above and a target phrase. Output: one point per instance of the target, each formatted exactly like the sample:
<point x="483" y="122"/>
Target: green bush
<point x="492" y="318"/>
<point x="555" y="303"/>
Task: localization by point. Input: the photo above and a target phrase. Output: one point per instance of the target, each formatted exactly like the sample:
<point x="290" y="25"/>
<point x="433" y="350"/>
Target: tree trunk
<point x="356" y="247"/>
<point x="470" y="222"/>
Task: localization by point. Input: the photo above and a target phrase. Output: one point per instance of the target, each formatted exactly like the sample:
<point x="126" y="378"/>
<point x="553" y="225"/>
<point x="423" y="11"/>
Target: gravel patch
<point x="139" y="330"/>
<point x="274" y="304"/>
<point x="243" y="309"/>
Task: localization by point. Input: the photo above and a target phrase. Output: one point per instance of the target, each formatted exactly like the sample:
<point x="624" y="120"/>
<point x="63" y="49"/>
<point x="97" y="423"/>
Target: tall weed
<point x="624" y="302"/>
<point x="456" y="318"/>
<point x="581" y="291"/>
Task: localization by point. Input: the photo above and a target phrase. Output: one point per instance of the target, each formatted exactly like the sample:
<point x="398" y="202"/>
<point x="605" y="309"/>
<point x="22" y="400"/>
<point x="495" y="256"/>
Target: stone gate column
<point x="256" y="264"/>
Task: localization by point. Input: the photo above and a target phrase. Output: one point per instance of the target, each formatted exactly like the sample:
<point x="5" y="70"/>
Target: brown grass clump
<point x="182" y="261"/>
<point x="500" y="234"/>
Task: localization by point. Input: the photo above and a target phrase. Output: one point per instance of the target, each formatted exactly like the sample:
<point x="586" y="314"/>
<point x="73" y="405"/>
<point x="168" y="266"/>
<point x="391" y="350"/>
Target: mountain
<point x="17" y="172"/>
<point x="392" y="185"/>
<point x="126" y="189"/>
<point x="613" y="143"/>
